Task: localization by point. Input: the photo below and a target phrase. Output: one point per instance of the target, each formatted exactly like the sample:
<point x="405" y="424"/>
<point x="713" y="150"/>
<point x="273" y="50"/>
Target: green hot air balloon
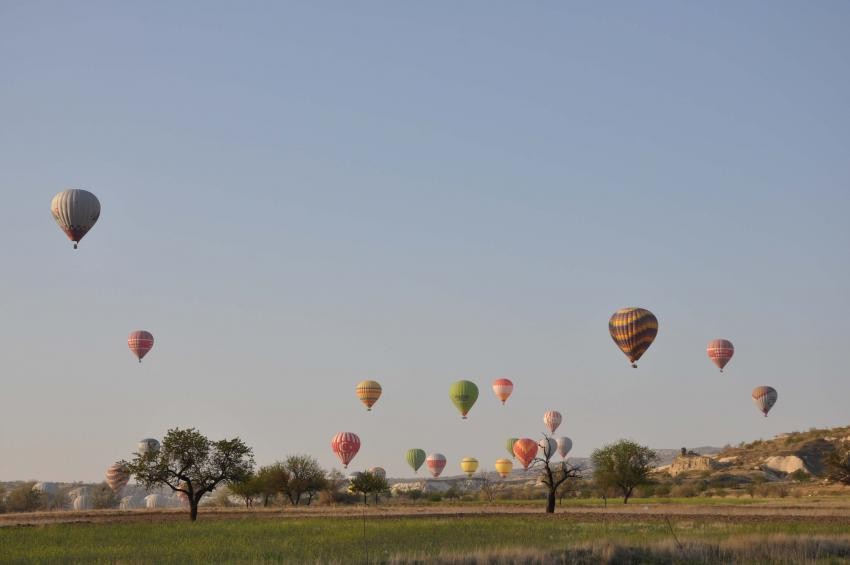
<point x="415" y="458"/>
<point x="464" y="394"/>
<point x="510" y="445"/>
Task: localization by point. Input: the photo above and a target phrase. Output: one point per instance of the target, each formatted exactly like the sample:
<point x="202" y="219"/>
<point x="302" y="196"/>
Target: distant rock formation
<point x="785" y="464"/>
<point x="691" y="462"/>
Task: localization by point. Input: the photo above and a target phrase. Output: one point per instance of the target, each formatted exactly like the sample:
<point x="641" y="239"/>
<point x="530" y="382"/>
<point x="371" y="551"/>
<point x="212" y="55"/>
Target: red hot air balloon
<point x="345" y="445"/>
<point x="436" y="462"/>
<point x="140" y="342"/>
<point x="720" y="351"/>
<point x="525" y="450"/>
<point x="503" y="388"/>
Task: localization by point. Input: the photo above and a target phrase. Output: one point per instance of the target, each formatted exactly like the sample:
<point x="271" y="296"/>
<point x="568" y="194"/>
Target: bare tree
<point x="488" y="487"/>
<point x="553" y="475"/>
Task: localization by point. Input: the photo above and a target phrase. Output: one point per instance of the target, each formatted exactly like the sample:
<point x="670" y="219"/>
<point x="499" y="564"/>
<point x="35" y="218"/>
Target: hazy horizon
<point x="299" y="197"/>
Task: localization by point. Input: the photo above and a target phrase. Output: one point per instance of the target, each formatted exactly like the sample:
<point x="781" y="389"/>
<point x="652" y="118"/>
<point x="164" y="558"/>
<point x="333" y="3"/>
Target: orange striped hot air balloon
<point x="503" y="388"/>
<point x="140" y="342"/>
<point x="525" y="450"/>
<point x="633" y="330"/>
<point x="764" y="398"/>
<point x="368" y="392"/>
<point x="345" y="445"/>
<point x="552" y="419"/>
<point x="720" y="351"/>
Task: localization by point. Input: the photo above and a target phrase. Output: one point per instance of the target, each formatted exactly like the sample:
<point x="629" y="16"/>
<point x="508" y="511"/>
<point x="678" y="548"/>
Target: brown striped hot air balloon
<point x="633" y="330"/>
<point x="117" y="477"/>
<point x="368" y="392"/>
<point x="720" y="351"/>
<point x="764" y="398"/>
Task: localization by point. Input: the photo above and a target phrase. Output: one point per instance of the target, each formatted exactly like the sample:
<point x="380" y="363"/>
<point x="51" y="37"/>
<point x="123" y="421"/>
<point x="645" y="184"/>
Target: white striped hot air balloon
<point x="549" y="447"/>
<point x="76" y="211"/>
<point x="148" y="446"/>
<point x="379" y="472"/>
<point x="565" y="444"/>
<point x="552" y="419"/>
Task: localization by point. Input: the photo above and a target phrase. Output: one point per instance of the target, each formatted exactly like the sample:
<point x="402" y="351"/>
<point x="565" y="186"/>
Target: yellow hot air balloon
<point x="504" y="467"/>
<point x="469" y="465"/>
<point x="633" y="330"/>
<point x="368" y="392"/>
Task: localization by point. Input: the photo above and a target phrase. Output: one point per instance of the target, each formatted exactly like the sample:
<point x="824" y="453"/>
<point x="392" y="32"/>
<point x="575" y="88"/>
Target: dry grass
<point x="778" y="548"/>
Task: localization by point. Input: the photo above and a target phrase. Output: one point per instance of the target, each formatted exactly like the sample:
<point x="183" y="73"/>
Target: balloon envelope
<point x="503" y="388"/>
<point x="633" y="330"/>
<point x="378" y="472"/>
<point x="552" y="419"/>
<point x="469" y="465"/>
<point x="148" y="445"/>
<point x="345" y="445"/>
<point x="720" y="351"/>
<point x="415" y="458"/>
<point x="565" y="444"/>
<point x="76" y="212"/>
<point x="463" y="394"/>
<point x="525" y="450"/>
<point x="368" y="392"/>
<point x="436" y="462"/>
<point x="117" y="477"/>
<point x="140" y="342"/>
<point x="549" y="447"/>
<point x="504" y="467"/>
<point x="764" y="398"/>
<point x="510" y="446"/>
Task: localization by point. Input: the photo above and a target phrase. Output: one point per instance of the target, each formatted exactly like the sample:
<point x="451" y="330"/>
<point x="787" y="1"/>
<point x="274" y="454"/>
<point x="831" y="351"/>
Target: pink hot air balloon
<point x="720" y="351"/>
<point x="345" y="445"/>
<point x="436" y="462"/>
<point x="525" y="450"/>
<point x="552" y="419"/>
<point x="503" y="388"/>
<point x="140" y="343"/>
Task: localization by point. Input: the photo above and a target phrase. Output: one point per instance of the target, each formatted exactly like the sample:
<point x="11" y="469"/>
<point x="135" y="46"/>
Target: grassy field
<point x="469" y="539"/>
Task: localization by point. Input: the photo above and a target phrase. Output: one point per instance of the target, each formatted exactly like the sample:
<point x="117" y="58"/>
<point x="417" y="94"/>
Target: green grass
<point x="325" y="539"/>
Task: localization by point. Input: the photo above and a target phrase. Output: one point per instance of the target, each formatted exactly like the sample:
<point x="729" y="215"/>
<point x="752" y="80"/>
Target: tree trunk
<point x="193" y="509"/>
<point x="550" y="502"/>
<point x="626" y="494"/>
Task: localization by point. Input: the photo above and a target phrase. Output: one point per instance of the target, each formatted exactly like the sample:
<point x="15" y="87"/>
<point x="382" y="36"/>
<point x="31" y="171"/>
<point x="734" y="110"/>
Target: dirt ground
<point x="809" y="511"/>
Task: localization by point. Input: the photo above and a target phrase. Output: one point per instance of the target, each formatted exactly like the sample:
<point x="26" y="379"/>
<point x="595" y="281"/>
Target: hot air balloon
<point x="148" y="446"/>
<point x="469" y="465"/>
<point x="345" y="445"/>
<point x="504" y="467"/>
<point x="764" y="398"/>
<point x="565" y="444"/>
<point x="76" y="211"/>
<point x="720" y="351"/>
<point x="552" y="419"/>
<point x="510" y="446"/>
<point x="525" y="450"/>
<point x="368" y="392"/>
<point x="503" y="388"/>
<point x="117" y="477"/>
<point x="436" y="462"/>
<point x="464" y="394"/>
<point x="549" y="447"/>
<point x="415" y="458"/>
<point x="378" y="472"/>
<point x="633" y="330"/>
<point x="140" y="343"/>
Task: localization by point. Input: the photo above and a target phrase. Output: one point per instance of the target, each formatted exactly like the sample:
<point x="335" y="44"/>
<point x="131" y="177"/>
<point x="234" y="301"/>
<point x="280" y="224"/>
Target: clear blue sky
<point x="296" y="197"/>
